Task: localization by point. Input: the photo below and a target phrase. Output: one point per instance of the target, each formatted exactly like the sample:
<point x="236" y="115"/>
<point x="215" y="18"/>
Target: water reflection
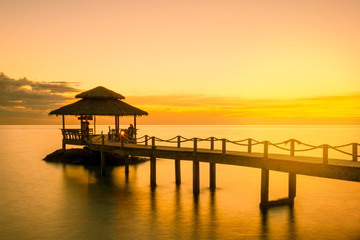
<point x="271" y="229"/>
<point x="115" y="199"/>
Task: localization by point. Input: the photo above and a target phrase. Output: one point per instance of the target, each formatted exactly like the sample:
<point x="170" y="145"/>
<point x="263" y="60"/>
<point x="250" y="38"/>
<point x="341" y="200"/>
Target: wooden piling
<point x="212" y="176"/>
<point x="264" y="187"/>
<point x="153" y="165"/>
<point x="153" y="171"/>
<point x="177" y="172"/>
<point x="292" y="185"/>
<point x="292" y="176"/>
<point x="212" y="169"/>
<point x="196" y="171"/>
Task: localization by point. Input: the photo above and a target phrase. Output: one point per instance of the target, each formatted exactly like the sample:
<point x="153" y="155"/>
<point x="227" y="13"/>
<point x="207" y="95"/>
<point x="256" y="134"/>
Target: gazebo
<point x="98" y="101"/>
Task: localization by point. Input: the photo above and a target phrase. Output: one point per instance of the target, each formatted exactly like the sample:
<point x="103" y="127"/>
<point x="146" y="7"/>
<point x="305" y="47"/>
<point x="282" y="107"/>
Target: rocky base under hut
<point x="84" y="156"/>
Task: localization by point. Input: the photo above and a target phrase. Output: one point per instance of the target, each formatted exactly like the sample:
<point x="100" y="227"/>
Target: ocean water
<point x="40" y="200"/>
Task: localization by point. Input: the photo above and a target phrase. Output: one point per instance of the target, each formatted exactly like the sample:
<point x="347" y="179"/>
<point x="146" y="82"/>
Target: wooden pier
<point x="348" y="170"/>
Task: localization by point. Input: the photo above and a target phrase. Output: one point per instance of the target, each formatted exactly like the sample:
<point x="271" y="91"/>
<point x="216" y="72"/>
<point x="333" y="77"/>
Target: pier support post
<point x="102" y="163"/>
<point x="177" y="172"/>
<point x="212" y="176"/>
<point x="196" y="171"/>
<point x="153" y="171"/>
<point x="126" y="157"/>
<point x="153" y="164"/>
<point x="212" y="169"/>
<point x="292" y="185"/>
<point x="177" y="164"/>
<point x="196" y="177"/>
<point x="264" y="187"/>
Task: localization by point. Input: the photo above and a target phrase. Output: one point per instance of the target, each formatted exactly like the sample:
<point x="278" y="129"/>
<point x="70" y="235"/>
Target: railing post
<point x="102" y="139"/>
<point x="292" y="147"/>
<point x="212" y="143"/>
<point x="355" y="151"/>
<point x="325" y="154"/>
<point x="223" y="145"/>
<point x="249" y="145"/>
<point x="146" y="140"/>
<point x="195" y="145"/>
<point x="153" y="142"/>
<point x="266" y="149"/>
<point x="178" y="141"/>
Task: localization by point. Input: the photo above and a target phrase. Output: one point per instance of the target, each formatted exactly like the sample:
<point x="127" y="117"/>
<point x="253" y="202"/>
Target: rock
<point x="87" y="157"/>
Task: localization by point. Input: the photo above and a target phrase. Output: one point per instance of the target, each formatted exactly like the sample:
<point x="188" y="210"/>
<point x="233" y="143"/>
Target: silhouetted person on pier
<point x="131" y="131"/>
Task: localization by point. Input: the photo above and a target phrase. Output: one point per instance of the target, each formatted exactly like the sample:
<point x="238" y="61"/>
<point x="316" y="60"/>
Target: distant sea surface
<point x="40" y="200"/>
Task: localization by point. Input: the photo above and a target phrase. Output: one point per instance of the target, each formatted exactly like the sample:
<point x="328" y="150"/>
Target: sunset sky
<point x="184" y="62"/>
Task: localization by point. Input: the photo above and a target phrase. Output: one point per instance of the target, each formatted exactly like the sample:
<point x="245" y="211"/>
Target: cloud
<point x="24" y="101"/>
<point x="23" y="97"/>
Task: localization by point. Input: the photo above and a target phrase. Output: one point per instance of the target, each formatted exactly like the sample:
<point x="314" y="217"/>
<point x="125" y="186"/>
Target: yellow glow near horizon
<point x="259" y="50"/>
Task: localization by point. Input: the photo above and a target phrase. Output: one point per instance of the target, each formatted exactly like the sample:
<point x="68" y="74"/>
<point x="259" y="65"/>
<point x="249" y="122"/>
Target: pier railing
<point x="290" y="146"/>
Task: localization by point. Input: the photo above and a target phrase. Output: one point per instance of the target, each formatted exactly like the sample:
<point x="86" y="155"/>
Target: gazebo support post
<point x="135" y="128"/>
<point x="63" y="141"/>
<point x="81" y="127"/>
<point x="117" y="124"/>
<point x="94" y="124"/>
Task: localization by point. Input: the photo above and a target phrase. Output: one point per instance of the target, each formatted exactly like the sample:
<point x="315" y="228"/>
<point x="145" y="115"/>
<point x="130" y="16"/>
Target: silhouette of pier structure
<point x="146" y="146"/>
<point x="101" y="101"/>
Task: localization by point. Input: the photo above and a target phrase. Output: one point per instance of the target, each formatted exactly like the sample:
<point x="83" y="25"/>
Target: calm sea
<point x="40" y="200"/>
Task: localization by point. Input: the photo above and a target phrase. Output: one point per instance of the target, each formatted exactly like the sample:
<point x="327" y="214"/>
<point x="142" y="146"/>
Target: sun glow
<point x="243" y="58"/>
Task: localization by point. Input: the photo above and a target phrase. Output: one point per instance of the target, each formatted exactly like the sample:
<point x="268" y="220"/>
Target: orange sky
<point x="193" y="62"/>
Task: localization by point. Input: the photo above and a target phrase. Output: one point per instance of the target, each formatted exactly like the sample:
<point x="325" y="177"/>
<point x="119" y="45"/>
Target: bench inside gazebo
<point x="98" y="101"/>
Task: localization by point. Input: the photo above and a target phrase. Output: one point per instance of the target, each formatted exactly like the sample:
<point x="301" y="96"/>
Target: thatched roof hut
<point x="99" y="101"/>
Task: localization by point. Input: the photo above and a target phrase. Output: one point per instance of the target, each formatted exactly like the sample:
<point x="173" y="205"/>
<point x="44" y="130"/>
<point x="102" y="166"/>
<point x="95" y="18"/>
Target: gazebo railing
<point x="76" y="134"/>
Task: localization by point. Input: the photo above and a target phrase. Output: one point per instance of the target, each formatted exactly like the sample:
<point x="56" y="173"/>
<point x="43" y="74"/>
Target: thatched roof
<point x="99" y="101"/>
<point x="102" y="107"/>
<point x="100" y="92"/>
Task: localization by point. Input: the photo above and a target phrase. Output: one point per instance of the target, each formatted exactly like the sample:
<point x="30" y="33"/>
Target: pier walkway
<point x="348" y="170"/>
